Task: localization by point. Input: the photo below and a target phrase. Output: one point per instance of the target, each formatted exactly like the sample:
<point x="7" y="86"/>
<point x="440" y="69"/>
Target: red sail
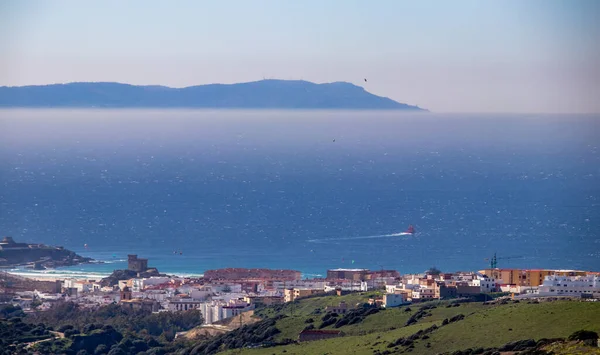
<point x="410" y="229"/>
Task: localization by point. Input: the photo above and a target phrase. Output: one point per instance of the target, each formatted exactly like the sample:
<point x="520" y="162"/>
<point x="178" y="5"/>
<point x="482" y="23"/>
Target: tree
<point x="101" y="349"/>
<point x="65" y="327"/>
<point x="433" y="271"/>
<point x="116" y="351"/>
<point x="89" y="328"/>
<point x="167" y="335"/>
<point x="71" y="332"/>
<point x="10" y="311"/>
<point x="139" y="345"/>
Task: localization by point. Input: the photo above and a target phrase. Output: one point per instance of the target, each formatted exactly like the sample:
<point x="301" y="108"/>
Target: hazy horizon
<point x="467" y="56"/>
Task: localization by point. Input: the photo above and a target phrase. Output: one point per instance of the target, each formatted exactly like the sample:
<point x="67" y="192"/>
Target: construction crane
<point x="494" y="260"/>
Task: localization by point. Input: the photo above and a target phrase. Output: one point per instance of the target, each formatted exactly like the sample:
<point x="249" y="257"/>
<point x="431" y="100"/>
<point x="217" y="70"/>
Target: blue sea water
<point x="196" y="190"/>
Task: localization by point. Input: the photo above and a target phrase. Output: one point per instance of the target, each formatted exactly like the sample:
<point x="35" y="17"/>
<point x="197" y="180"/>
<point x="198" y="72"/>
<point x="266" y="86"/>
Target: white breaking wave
<point x="67" y="274"/>
<point x="59" y="274"/>
<point x="325" y="240"/>
<point x="111" y="261"/>
<point x="179" y="274"/>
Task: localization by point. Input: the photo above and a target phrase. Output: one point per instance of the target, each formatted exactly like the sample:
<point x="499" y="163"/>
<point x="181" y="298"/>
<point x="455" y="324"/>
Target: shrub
<point x="328" y="322"/>
<point x="583" y="335"/>
<point x="152" y="343"/>
<point x="342" y="322"/>
<point x="116" y="351"/>
<point x="63" y="328"/>
<point x="101" y="349"/>
<point x="456" y="318"/>
<point x="71" y="332"/>
<point x="89" y="328"/>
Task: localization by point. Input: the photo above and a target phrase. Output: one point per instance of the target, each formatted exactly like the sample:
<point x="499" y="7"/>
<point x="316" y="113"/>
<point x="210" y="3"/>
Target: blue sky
<point x="448" y="56"/>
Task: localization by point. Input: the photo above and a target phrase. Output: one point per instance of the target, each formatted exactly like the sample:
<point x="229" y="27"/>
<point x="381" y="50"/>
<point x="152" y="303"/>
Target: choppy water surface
<point x="194" y="190"/>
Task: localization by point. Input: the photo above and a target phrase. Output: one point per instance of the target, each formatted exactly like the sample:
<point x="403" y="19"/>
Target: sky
<point x="538" y="56"/>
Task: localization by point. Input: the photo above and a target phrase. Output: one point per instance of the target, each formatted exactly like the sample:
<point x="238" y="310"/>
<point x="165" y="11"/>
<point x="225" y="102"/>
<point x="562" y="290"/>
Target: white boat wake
<point x="326" y="240"/>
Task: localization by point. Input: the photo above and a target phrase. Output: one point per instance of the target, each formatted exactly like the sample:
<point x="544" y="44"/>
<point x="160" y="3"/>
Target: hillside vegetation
<point x="457" y="327"/>
<point x="431" y="327"/>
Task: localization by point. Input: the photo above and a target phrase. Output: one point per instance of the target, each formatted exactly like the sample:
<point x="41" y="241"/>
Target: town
<point x="225" y="293"/>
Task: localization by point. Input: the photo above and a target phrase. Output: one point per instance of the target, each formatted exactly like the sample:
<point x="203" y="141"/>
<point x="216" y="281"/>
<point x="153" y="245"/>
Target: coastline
<point x="54" y="274"/>
<point x="69" y="273"/>
<point x="62" y="274"/>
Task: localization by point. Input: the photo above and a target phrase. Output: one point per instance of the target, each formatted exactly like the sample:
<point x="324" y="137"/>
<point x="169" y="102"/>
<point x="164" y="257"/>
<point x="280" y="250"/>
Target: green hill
<point x="482" y="326"/>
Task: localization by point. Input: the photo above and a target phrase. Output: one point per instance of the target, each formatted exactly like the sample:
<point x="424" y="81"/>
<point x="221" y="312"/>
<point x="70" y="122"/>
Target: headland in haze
<point x="264" y="94"/>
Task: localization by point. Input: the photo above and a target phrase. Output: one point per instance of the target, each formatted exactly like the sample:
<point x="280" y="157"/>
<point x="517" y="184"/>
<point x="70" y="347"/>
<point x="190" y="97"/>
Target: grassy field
<point x="307" y="306"/>
<point x="483" y="326"/>
<point x="343" y="345"/>
<point x="304" y="309"/>
<point x="498" y="325"/>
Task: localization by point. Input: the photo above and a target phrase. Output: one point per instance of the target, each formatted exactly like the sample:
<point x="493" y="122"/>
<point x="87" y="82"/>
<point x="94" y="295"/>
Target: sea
<point x="193" y="190"/>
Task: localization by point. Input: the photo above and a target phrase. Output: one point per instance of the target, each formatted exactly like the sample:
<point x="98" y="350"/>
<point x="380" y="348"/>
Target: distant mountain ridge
<point x="274" y="94"/>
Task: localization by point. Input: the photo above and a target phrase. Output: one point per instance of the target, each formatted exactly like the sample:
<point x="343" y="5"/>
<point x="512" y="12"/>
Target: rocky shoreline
<point x="37" y="256"/>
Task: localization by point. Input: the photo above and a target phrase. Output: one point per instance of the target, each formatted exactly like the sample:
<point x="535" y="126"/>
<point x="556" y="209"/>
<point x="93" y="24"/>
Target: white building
<point x="380" y="282"/>
<point x="413" y="279"/>
<point x="462" y="276"/>
<point x="101" y="299"/>
<point x="211" y="312"/>
<point x="569" y="285"/>
<point x="184" y="305"/>
<point x="234" y="309"/>
<point x="201" y="293"/>
<point x="402" y="288"/>
<point x="139" y="284"/>
<point x="158" y="295"/>
<point x="82" y="286"/>
<point x="346" y="285"/>
<point x="486" y="284"/>
<point x="517" y="289"/>
<point x="423" y="293"/>
<point x="393" y="300"/>
<point x="308" y="284"/>
<point x="48" y="296"/>
<point x="215" y="311"/>
<point x="392" y="288"/>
